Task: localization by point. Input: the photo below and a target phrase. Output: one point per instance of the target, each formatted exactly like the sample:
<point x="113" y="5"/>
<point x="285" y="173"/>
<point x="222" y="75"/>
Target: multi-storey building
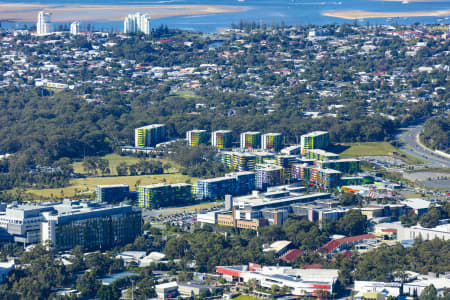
<point x="112" y="193"/>
<point x="301" y="172"/>
<point x="251" y="140"/>
<point x="90" y="225"/>
<point x="149" y="136"/>
<point x="264" y="157"/>
<point x="286" y="162"/>
<point x="325" y="178"/>
<point x="238" y="161"/>
<point x="75" y="28"/>
<point x="244" y="182"/>
<point x="348" y="165"/>
<point x="243" y="161"/>
<point x="22" y="223"/>
<point x="267" y="175"/>
<point x="314" y="140"/>
<point x="222" y="139"/>
<point x="272" y="141"/>
<point x="137" y="23"/>
<point x="239" y="183"/>
<point x="214" y="188"/>
<point x="319" y="154"/>
<point x="196" y="137"/>
<point x="44" y="24"/>
<point x="162" y="195"/>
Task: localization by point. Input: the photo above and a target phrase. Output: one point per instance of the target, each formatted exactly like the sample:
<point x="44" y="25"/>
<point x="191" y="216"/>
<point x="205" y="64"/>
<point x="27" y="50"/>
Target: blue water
<point x="292" y="12"/>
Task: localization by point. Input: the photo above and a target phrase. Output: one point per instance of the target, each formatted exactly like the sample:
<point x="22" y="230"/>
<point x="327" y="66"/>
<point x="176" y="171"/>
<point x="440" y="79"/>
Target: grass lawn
<point x="376" y="149"/>
<point x="87" y="186"/>
<point x="115" y="160"/>
<point x="368" y="149"/>
<point x="186" y="94"/>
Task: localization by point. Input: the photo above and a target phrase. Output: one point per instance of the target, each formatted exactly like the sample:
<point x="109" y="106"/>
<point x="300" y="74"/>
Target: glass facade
<point x="162" y="195"/>
<point x="222" y="139"/>
<point x="98" y="232"/>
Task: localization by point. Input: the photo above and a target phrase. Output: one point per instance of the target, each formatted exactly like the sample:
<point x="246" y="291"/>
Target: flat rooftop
<point x="151" y="126"/>
<point x="322" y="152"/>
<point x="259" y="201"/>
<point x="112" y="185"/>
<point x="314" y="133"/>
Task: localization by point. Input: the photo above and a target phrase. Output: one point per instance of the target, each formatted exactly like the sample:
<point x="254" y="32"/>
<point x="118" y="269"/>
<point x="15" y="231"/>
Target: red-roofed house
<point x="345" y="243"/>
<point x="291" y="255"/>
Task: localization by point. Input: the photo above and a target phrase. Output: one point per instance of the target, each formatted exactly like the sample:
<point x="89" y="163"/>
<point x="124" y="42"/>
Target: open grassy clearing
<point x="368" y="149"/>
<point x="186" y="94"/>
<point x="87" y="186"/>
<point x="115" y="160"/>
<point x="377" y="149"/>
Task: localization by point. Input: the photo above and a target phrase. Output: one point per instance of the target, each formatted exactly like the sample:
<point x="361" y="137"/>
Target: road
<point x="407" y="137"/>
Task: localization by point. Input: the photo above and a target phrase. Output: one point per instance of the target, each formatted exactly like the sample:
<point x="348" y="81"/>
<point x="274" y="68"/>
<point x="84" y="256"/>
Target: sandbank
<point x="361" y="14"/>
<point x="67" y="13"/>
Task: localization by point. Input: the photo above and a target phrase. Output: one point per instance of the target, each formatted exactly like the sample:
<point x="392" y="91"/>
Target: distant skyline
<point x="210" y="16"/>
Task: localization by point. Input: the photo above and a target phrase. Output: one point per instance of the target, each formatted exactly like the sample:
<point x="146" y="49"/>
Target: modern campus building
<point x="22" y="223"/>
<point x="67" y="224"/>
<point x="260" y="209"/>
<point x="315" y="175"/>
<point x="75" y="28"/>
<point x="250" y="140"/>
<point x="264" y="157"/>
<point x="222" y="139"/>
<point x="137" y="23"/>
<point x="149" y="136"/>
<point x="196" y="137"/>
<point x="301" y="282"/>
<point x="239" y="161"/>
<point x="325" y="178"/>
<point x="346" y="165"/>
<point x="319" y="154"/>
<point x="90" y="225"/>
<point x="162" y="195"/>
<point x="286" y="162"/>
<point x="314" y="140"/>
<point x="239" y="183"/>
<point x="44" y="24"/>
<point x="272" y="141"/>
<point x="114" y="193"/>
<point x="267" y="176"/>
<point x="301" y="172"/>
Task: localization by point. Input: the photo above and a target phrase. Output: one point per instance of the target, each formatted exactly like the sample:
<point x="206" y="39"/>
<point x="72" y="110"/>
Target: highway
<point x="407" y="137"/>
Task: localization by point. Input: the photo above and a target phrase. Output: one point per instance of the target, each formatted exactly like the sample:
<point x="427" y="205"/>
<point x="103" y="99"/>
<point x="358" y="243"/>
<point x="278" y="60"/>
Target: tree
<point x="275" y="288"/>
<point x="108" y="292"/>
<point x="122" y="169"/>
<point x="88" y="285"/>
<point x="409" y="219"/>
<point x="429" y="293"/>
<point x="348" y="199"/>
<point x="431" y="218"/>
<point x="352" y="223"/>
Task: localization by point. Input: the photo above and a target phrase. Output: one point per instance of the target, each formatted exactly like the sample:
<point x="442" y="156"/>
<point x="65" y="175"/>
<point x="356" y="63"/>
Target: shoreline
<point x="361" y="14"/>
<point x="66" y="13"/>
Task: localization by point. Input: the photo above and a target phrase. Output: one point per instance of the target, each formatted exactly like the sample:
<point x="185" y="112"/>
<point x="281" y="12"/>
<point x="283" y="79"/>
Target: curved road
<point x="409" y="144"/>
